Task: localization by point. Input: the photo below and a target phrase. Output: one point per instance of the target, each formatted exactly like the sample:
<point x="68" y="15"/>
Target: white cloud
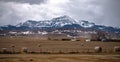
<point x="18" y="12"/>
<point x="100" y="12"/>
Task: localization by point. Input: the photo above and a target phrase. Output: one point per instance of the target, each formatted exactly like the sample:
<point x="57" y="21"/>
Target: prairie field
<point x="34" y="44"/>
<point x="57" y="51"/>
<point x="58" y="58"/>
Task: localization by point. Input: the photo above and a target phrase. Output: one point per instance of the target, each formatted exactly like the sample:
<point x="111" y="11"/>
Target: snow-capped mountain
<point x="29" y="23"/>
<point x="55" y="22"/>
<point x="64" y="22"/>
<point x="32" y="24"/>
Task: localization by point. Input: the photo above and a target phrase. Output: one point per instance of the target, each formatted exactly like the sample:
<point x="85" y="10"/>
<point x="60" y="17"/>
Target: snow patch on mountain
<point x="45" y="23"/>
<point x="63" y="20"/>
<point x="29" y="23"/>
<point x="100" y="28"/>
<point x="86" y="24"/>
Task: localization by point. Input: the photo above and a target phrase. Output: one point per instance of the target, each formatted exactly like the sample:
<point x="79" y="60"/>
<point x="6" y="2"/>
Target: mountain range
<point x="62" y="22"/>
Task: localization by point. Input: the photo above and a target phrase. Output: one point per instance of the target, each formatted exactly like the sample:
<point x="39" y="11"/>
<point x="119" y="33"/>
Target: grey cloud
<point x="87" y="9"/>
<point x="111" y="10"/>
<point x="105" y="12"/>
<point x="25" y="1"/>
<point x="7" y="15"/>
<point x="14" y="13"/>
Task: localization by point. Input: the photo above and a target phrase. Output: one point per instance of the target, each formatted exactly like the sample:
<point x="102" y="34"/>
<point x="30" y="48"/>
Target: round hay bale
<point x="13" y="48"/>
<point x="4" y="50"/>
<point x="31" y="59"/>
<point x="39" y="45"/>
<point x="82" y="44"/>
<point x="24" y="50"/>
<point x="117" y="49"/>
<point x="12" y="45"/>
<point x="98" y="49"/>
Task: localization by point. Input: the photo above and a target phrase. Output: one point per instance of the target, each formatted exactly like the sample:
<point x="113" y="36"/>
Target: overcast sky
<point x="105" y="12"/>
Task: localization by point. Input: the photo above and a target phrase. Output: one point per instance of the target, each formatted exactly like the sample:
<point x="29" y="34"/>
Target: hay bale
<point x="13" y="48"/>
<point x="31" y="59"/>
<point x="88" y="40"/>
<point x="4" y="50"/>
<point x="24" y="50"/>
<point x="39" y="45"/>
<point x="12" y="45"/>
<point x="98" y="49"/>
<point x="117" y="49"/>
<point x="82" y="44"/>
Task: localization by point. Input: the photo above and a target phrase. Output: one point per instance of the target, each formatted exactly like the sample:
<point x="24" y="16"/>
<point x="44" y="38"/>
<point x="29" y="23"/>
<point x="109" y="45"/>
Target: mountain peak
<point x="63" y="20"/>
<point x="65" y="16"/>
<point x="31" y="21"/>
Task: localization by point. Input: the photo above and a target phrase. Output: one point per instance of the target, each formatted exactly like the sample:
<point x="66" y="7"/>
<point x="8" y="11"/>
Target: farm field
<point x="34" y="44"/>
<point x="58" y="58"/>
<point x="74" y="51"/>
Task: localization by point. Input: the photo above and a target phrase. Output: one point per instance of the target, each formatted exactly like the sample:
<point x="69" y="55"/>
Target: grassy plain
<point x="58" y="58"/>
<point x="34" y="44"/>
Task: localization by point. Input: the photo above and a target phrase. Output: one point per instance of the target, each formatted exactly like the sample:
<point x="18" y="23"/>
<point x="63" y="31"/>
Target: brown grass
<point x="54" y="46"/>
<point x="37" y="45"/>
<point x="58" y="58"/>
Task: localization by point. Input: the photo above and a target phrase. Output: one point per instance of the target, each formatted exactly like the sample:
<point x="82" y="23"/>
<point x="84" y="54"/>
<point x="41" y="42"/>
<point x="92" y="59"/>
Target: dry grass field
<point x="84" y="50"/>
<point x="58" y="58"/>
<point x="34" y="44"/>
